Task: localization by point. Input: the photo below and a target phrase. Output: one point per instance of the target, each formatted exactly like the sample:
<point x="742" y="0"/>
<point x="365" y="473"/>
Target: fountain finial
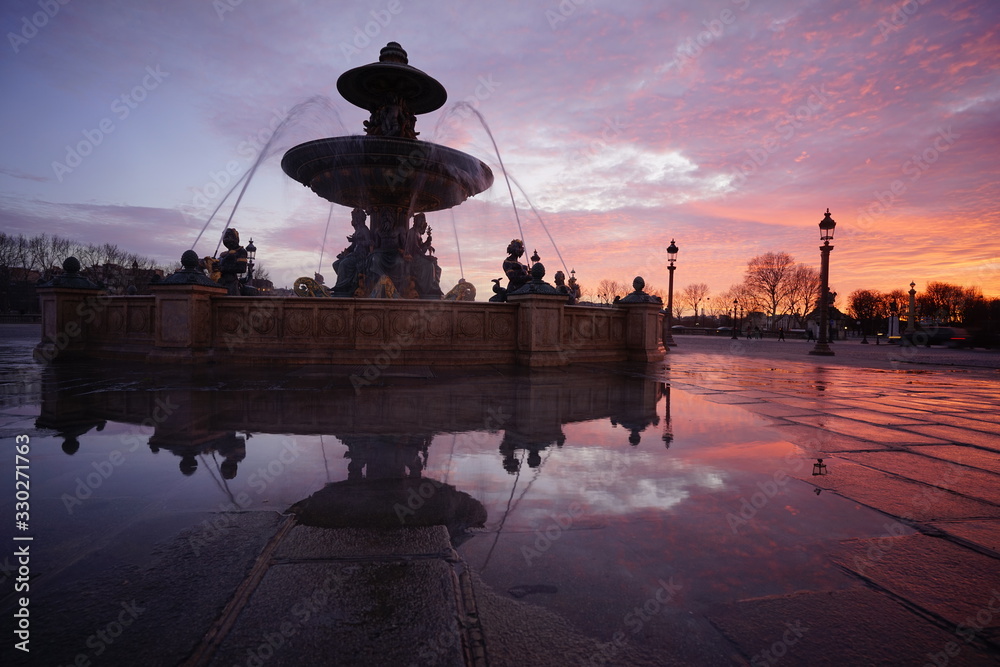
<point x="393" y="53"/>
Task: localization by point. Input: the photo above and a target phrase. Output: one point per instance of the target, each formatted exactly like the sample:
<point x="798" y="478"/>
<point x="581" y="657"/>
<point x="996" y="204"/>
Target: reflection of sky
<point x="629" y="515"/>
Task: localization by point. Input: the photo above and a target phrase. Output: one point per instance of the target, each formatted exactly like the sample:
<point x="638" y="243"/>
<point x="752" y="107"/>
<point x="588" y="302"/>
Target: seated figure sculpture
<point x="571" y="294"/>
<point x="353" y="260"/>
<point x="517" y="273"/>
<point x="232" y="262"/>
<point x="420" y="260"/>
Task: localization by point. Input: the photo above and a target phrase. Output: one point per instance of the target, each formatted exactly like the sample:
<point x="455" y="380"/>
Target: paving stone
<point x="958" y="478"/>
<point x="982" y="532"/>
<point x="952" y="434"/>
<point x="964" y="454"/>
<point x="874" y="417"/>
<point x="311" y="542"/>
<point x="897" y="496"/>
<point x="857" y="626"/>
<point x="974" y="421"/>
<point x="360" y="614"/>
<point x="934" y="574"/>
<point x="823" y="441"/>
<point x="878" y="434"/>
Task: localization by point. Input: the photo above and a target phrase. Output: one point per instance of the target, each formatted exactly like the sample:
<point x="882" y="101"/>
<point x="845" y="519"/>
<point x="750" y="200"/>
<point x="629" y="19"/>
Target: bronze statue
<point x="420" y="260"/>
<point x="392" y="119"/>
<point x="354" y="259"/>
<point x="572" y="293"/>
<point x="232" y="262"/>
<point x="517" y="273"/>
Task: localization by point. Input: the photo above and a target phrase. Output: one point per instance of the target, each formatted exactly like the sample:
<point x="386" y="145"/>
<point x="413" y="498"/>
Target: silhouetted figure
<point x="232" y="262"/>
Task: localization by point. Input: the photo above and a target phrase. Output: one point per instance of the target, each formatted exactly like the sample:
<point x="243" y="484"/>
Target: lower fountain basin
<point x="365" y="171"/>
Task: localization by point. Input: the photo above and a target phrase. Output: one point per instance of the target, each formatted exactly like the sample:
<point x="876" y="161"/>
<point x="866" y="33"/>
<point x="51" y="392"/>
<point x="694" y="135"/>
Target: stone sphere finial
<point x="638" y="283"/>
<point x="393" y="53"/>
<point x="189" y="260"/>
<point x="538" y="271"/>
<point x="71" y="265"/>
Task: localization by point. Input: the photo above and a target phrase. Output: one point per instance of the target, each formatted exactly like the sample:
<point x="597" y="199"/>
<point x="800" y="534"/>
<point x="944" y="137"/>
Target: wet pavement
<point x="629" y="514"/>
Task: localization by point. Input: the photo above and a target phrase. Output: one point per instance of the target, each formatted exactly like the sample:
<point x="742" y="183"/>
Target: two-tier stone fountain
<point x="390" y="179"/>
<point x="390" y="175"/>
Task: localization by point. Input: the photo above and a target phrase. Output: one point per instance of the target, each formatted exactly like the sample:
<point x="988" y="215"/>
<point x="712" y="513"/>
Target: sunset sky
<point x="728" y="125"/>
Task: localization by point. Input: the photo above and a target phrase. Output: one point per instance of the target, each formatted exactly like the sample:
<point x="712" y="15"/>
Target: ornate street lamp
<point x="668" y="331"/>
<point x="826" y="227"/>
<point x="251" y="256"/>
<point x="733" y="323"/>
<point x="911" y="314"/>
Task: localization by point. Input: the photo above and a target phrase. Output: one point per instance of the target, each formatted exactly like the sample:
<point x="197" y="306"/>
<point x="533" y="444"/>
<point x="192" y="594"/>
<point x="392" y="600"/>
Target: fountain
<point x="391" y="180"/>
<point x="388" y="173"/>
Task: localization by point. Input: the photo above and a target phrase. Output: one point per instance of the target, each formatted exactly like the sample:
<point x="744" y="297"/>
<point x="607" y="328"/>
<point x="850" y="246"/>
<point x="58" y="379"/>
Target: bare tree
<point x="607" y="290"/>
<point x="768" y="280"/>
<point x="803" y="290"/>
<point x="866" y="305"/>
<point x="692" y="295"/>
<point x="943" y="301"/>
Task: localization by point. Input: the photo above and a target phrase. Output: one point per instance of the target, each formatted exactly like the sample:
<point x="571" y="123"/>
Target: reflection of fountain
<point x="388" y="173"/>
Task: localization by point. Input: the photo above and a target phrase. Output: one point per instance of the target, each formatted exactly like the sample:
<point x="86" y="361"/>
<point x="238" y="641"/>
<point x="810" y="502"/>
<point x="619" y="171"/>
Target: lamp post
<point x="251" y="256"/>
<point x="735" y="306"/>
<point x="826" y="227"/>
<point x="668" y="331"/>
<point x="911" y="314"/>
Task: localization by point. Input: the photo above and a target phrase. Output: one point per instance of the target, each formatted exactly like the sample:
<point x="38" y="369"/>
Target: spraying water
<point x="465" y="106"/>
<point x="322" y="248"/>
<point x="542" y="222"/>
<point x="296" y="113"/>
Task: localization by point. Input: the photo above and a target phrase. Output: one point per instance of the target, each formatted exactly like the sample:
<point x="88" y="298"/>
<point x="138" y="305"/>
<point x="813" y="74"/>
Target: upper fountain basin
<point x="364" y="171"/>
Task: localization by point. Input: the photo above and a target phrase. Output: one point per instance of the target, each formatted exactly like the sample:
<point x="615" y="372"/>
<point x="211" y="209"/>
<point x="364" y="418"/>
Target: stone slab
<point x="984" y="533"/>
<point x="897" y="496"/>
<point x="970" y="456"/>
<point x="958" y="478"/>
<point x="952" y="434"/>
<point x="857" y="626"/>
<point x="306" y="542"/>
<point x="973" y="421"/>
<point x="934" y="574"/>
<point x="874" y="417"/>
<point x="361" y="614"/>
<point x="816" y="439"/>
<point x="879" y="434"/>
